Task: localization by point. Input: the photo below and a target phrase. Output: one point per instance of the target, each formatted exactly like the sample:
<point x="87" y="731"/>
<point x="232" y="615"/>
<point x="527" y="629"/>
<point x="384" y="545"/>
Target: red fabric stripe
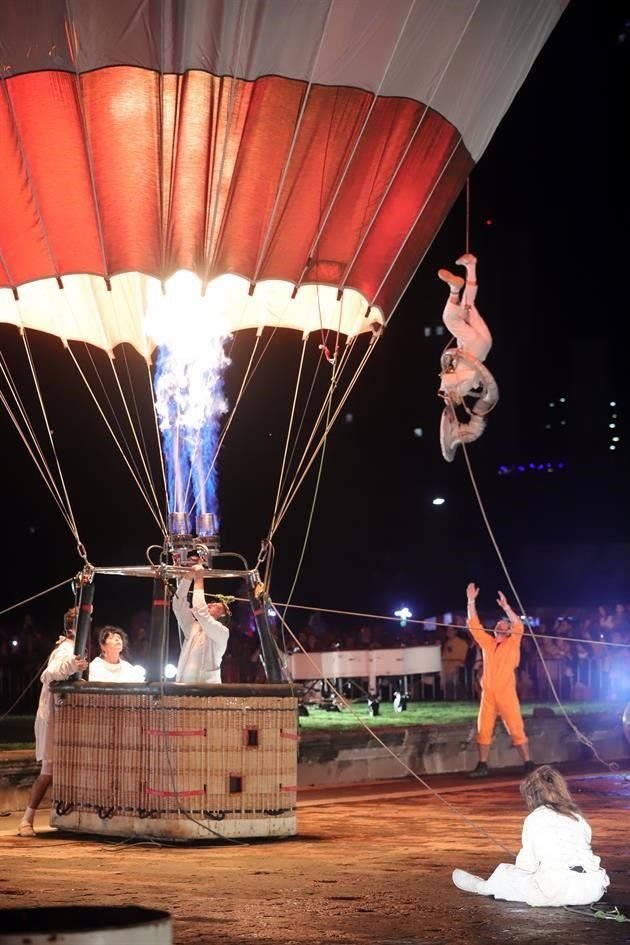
<point x="155" y="793"/>
<point x="169" y="197"/>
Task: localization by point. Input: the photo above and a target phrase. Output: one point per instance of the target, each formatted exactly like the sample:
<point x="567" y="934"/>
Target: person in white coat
<point x="62" y="663"/>
<point x="556" y="865"/>
<point x="205" y="637"/>
<point x="111" y="666"/>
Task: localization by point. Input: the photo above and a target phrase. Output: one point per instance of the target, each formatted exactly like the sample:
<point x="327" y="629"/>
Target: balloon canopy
<point x="297" y="157"/>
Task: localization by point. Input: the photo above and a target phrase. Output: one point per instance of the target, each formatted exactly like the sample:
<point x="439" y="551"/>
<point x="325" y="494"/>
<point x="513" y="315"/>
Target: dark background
<point x="547" y="223"/>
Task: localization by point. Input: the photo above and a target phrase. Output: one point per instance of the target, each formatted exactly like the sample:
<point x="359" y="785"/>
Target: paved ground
<point x="371" y="864"/>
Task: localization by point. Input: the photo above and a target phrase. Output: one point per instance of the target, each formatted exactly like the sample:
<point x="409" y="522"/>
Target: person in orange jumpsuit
<point x="501" y="654"/>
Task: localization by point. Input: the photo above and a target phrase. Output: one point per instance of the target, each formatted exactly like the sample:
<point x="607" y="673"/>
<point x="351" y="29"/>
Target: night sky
<point x="547" y="202"/>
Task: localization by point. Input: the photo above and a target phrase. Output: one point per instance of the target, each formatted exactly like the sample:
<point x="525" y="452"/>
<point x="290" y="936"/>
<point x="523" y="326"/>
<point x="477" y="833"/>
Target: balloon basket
<point x="175" y="762"/>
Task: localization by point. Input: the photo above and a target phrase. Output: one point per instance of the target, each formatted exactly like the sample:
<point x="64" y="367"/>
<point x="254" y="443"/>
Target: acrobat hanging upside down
<point x="463" y="374"/>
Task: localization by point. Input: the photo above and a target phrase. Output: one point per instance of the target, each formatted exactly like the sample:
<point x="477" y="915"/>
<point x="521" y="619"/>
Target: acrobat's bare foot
<point x="455" y="283"/>
<point x="466" y="260"/>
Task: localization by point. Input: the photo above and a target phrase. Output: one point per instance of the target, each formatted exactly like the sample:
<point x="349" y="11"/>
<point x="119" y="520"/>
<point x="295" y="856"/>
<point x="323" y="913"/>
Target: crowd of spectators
<point x="584" y="655"/>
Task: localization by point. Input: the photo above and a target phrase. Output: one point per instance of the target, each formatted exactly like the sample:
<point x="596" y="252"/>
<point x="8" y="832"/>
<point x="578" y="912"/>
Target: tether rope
<point x="155" y="513"/>
<point x="68" y="505"/>
<point x="348" y="707"/>
<point x="576" y="731"/>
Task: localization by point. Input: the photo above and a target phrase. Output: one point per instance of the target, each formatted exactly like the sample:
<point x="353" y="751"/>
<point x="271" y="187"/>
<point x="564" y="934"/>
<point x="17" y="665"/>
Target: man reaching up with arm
<point x="206" y="638"/>
<point x="501" y="652"/>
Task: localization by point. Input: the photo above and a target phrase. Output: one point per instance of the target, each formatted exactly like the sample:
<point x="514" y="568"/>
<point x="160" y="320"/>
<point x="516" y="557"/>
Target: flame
<point x="191" y="333"/>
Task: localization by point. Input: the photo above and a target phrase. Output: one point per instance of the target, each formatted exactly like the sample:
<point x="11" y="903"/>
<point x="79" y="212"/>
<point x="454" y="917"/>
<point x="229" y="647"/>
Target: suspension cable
<point x="153" y="512"/>
<point x="68" y="504"/>
<point x="579" y="735"/>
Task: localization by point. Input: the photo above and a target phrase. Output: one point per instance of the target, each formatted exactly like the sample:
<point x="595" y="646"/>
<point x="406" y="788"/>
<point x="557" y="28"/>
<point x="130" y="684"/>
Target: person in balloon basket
<point x="501" y="654"/>
<point x="112" y="666"/>
<point x="203" y="627"/>
<point x="62" y="663"/>
<point x="556" y="865"/>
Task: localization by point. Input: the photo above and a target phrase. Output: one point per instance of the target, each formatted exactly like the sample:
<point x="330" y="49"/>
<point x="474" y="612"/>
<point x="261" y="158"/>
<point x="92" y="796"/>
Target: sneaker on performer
<point x="26" y="830"/>
<point x="469" y="882"/>
<point x="481" y="771"/>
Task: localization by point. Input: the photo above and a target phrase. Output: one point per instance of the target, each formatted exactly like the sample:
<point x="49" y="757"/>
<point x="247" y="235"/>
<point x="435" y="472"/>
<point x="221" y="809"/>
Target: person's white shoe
<point x="26" y="830"/>
<point x="469" y="882"/>
<point x="456" y="283"/>
<point x="466" y="260"/>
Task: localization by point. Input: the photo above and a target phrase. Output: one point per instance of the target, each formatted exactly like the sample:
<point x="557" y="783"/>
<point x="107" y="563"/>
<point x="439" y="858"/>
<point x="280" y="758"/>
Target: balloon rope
<point x="579" y="735"/>
<point x="281" y="477"/>
<point x="467" y="235"/>
<point x="156" y="430"/>
<point x="309" y="523"/>
<point x="67" y="504"/>
<point x="156" y="515"/>
<point x="123" y="438"/>
<point x="322" y="440"/>
<point x="249" y="373"/>
<point x="33" y="448"/>
<point x="141" y="451"/>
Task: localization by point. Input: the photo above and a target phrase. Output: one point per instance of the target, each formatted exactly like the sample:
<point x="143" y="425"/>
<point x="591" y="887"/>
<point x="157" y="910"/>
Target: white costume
<point x="205" y="638"/>
<point x="463" y="374"/>
<point x="542" y="875"/>
<point x="122" y="671"/>
<point x="472" y="336"/>
<point x="62" y="663"/>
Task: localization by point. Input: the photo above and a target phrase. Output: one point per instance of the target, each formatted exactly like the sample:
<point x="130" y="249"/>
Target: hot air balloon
<point x="175" y="175"/>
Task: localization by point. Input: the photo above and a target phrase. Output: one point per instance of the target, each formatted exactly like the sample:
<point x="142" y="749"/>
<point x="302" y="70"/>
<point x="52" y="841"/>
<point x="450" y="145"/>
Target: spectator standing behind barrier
<point x="62" y="663"/>
<point x="501" y="654"/>
<point x="454" y="653"/>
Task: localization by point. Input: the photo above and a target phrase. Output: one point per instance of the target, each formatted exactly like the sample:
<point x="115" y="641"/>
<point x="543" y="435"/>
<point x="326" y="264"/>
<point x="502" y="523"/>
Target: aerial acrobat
<point x="463" y="374"/>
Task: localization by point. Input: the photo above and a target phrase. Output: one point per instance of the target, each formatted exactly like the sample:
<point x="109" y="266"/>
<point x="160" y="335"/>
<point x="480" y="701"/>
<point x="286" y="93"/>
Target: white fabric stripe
<point x="486" y="66"/>
<point x="86" y="311"/>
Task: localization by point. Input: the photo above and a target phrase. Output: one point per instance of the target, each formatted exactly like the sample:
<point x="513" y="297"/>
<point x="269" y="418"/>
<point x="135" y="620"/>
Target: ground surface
<point x="371" y="864"/>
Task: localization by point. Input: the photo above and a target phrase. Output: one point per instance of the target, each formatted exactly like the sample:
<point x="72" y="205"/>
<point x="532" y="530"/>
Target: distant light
<point x="439" y="330"/>
<point x="439" y="501"/>
<point x="563" y="423"/>
<point x="403" y="615"/>
<point x="427" y="331"/>
<point x="488" y="222"/>
<point x="418" y="431"/>
<point x="612" y="426"/>
<point x="271" y="611"/>
<point x="552" y="404"/>
<point x="349" y="418"/>
<point x="563" y="400"/>
<point x="14" y="642"/>
<point x="613" y="403"/>
<point x="613" y="416"/>
<point x="612" y="447"/>
<point x="170" y="671"/>
<point x="616" y="439"/>
<point x="547" y="426"/>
